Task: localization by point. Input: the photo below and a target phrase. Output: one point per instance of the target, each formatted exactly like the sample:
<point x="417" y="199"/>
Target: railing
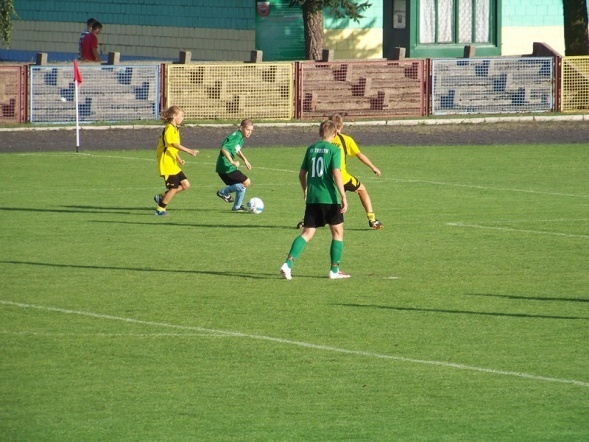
<point x="370" y="89"/>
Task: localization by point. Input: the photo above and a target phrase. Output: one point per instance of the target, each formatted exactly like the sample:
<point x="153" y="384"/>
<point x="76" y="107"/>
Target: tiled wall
<point x="142" y="29"/>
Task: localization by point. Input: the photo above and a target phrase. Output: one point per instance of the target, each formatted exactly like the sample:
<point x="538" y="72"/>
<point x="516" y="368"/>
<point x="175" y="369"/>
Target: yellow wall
<point x="518" y="41"/>
<point x="354" y="43"/>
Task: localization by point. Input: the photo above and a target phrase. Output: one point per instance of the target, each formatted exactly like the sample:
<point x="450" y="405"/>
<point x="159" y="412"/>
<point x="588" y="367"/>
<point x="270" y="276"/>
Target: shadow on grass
<point x="529" y="298"/>
<point x="149" y="269"/>
<point x="74" y="209"/>
<point x="165" y="222"/>
<point x="462" y="312"/>
<point x="141" y="210"/>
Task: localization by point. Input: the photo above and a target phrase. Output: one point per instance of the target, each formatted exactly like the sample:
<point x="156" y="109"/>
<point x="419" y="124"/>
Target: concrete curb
<point x="420" y="122"/>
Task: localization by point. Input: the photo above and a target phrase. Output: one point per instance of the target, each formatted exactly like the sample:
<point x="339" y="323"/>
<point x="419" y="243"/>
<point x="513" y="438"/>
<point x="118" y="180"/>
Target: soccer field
<point x="466" y="318"/>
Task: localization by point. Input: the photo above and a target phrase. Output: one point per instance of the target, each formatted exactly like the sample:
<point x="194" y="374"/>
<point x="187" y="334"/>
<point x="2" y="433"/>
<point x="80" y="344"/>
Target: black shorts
<point x="352" y="185"/>
<point x="173" y="181"/>
<point x="235" y="177"/>
<point x="318" y="215"/>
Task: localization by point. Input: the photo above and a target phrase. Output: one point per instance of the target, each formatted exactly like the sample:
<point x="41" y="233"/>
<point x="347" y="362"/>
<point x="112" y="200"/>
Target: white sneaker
<point x="338" y="275"/>
<point x="285" y="271"/>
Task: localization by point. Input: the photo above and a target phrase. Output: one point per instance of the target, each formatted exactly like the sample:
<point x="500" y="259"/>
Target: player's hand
<point x="344" y="206"/>
<point x="193" y="152"/>
<point x="248" y="165"/>
<point x="376" y="171"/>
<point x="236" y="163"/>
<point x="181" y="161"/>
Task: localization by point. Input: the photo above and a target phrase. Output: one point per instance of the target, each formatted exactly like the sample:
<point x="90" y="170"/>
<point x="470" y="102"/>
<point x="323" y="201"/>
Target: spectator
<point x="89" y="48"/>
<point x="88" y="29"/>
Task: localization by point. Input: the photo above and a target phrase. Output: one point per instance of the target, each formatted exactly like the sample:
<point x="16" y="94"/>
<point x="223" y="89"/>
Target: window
<point x="455" y="21"/>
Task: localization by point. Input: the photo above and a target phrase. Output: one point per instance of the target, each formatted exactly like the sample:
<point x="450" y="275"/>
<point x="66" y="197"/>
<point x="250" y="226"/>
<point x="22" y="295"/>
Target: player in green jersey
<point x="350" y="149"/>
<point x="325" y="199"/>
<point x="227" y="166"/>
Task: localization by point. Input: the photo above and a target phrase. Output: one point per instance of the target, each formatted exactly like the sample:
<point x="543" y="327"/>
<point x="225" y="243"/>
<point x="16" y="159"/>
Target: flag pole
<point x="77" y="82"/>
<point x="77" y="121"/>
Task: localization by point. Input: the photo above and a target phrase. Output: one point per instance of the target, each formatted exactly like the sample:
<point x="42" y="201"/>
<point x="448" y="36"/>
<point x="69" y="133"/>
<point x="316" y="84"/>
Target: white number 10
<point x="317" y="167"/>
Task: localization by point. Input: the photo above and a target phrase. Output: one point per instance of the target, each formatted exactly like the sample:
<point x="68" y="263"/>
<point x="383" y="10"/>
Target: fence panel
<point x="13" y="94"/>
<point x="496" y="85"/>
<point x="107" y="93"/>
<point x="574" y="84"/>
<point x="232" y="91"/>
<point x="364" y="89"/>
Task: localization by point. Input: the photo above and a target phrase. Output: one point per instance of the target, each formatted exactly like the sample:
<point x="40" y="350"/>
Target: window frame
<point x="440" y="50"/>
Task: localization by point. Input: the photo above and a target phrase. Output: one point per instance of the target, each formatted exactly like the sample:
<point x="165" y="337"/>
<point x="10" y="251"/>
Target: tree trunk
<point x="313" y="20"/>
<point x="575" y="27"/>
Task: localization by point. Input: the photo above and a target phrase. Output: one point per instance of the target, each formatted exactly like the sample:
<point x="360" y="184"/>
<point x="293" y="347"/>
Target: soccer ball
<point x="255" y="205"/>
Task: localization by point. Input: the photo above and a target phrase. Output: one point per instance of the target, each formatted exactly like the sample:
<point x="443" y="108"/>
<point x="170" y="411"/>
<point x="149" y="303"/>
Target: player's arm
<point x="367" y="161"/>
<point x="337" y="176"/>
<point x="303" y="181"/>
<point x="227" y="155"/>
<point x="192" y="152"/>
<point x="245" y="161"/>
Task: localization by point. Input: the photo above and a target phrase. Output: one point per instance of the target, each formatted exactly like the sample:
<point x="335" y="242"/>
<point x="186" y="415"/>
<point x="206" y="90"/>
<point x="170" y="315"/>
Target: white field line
<point x="117" y="157"/>
<point x="301" y="344"/>
<point x="472" y="186"/>
<point x="373" y="180"/>
<point x="520" y="221"/>
<point x="508" y="229"/>
<point x="110" y="335"/>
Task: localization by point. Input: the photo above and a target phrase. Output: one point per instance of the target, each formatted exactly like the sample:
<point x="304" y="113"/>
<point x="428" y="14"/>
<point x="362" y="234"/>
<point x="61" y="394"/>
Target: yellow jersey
<point x="350" y="149"/>
<point x="167" y="153"/>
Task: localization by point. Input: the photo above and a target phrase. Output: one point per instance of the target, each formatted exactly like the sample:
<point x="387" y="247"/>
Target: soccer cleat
<point x="301" y="224"/>
<point x="338" y="275"/>
<point x="226" y="198"/>
<point x="157" y="199"/>
<point x="161" y="213"/>
<point x="285" y="271"/>
<point x="238" y="209"/>
<point x="376" y="225"/>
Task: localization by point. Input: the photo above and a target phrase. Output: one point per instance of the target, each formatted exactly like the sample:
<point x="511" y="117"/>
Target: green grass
<point x="466" y="318"/>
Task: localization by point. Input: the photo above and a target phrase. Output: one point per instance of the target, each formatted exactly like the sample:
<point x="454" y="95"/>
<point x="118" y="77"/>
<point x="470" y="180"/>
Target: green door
<point x="279" y="31"/>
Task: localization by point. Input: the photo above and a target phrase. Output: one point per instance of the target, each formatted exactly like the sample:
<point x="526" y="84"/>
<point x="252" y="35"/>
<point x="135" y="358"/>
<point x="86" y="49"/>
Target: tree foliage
<point x="6" y="13"/>
<point x="575" y="27"/>
<point x="313" y="20"/>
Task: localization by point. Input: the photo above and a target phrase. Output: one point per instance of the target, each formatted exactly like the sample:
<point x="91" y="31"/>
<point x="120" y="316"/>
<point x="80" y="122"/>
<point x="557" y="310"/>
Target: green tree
<point x="313" y="20"/>
<point x="6" y="13"/>
<point x="575" y="27"/>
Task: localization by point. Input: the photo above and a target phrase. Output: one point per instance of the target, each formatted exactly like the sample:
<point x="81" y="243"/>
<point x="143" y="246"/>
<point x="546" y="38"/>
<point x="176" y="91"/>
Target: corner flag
<point x="78" y="82"/>
<point x="77" y="74"/>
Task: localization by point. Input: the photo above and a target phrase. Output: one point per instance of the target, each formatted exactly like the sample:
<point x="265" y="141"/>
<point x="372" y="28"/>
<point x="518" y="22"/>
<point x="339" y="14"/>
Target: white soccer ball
<point x="255" y="205"/>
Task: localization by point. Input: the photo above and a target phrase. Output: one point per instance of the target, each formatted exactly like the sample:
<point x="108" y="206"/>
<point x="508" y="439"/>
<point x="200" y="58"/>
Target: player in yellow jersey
<point x="350" y="149"/>
<point x="168" y="158"/>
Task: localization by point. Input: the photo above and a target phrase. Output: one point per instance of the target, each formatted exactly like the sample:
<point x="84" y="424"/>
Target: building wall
<point x="350" y="39"/>
<point x="225" y="30"/>
<point x="155" y="29"/>
<point x="519" y="40"/>
<point x="354" y="43"/>
<point x="529" y="21"/>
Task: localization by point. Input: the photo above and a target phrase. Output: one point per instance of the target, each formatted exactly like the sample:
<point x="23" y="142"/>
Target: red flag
<point x="77" y="74"/>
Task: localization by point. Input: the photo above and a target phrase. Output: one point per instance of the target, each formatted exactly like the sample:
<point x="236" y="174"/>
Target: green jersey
<point x="232" y="144"/>
<point x="320" y="160"/>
